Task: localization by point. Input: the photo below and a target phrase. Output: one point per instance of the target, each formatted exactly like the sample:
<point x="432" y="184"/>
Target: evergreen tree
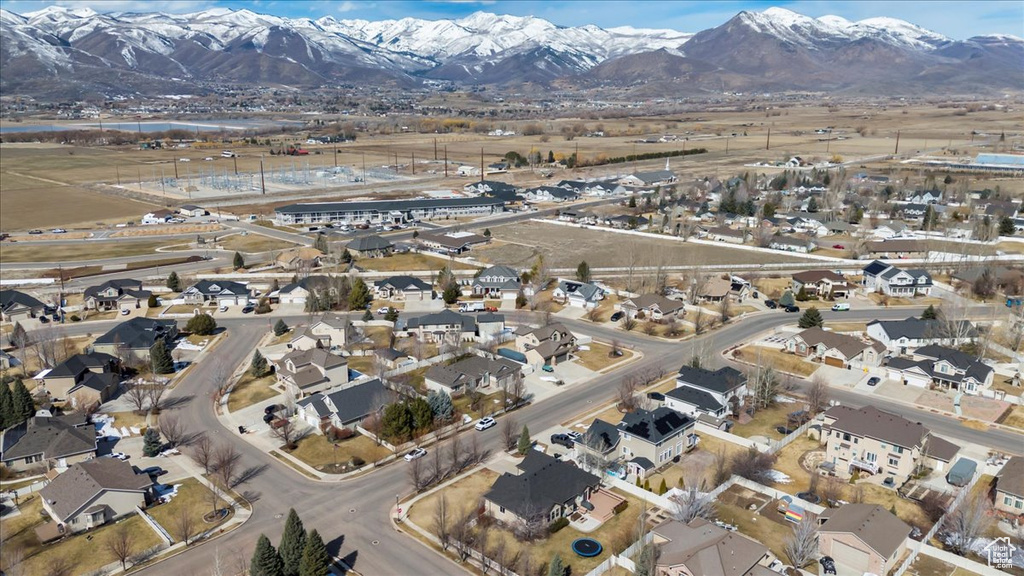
<point x="201" y="325"/>
<point x="1006" y="227"/>
<point x="787" y="298"/>
<point x="360" y="295"/>
<point x="930" y="313"/>
<point x="397" y="422"/>
<point x="663" y="488"/>
<point x="583" y="272"/>
<point x="524" y="444"/>
<point x="151" y="442"/>
<point x="315" y="559"/>
<point x="451" y="293"/>
<point x="551" y="156"/>
<point x="487" y="232"/>
<point x="812" y="204"/>
<point x="280" y="327"/>
<point x="259" y="366"/>
<point x="346" y="257"/>
<point x="556" y="567"/>
<point x="801" y="294"/>
<point x="811" y="318"/>
<point x="391" y="315"/>
<point x="173" y="282"/>
<point x="238" y="262"/>
<point x="152" y="302"/>
<point x="23" y="406"/>
<point x="160" y="358"/>
<point x="422" y="415"/>
<point x="265" y="560"/>
<point x="440" y="405"/>
<point x="293" y="544"/>
<point x="6" y="406"/>
<point x="367" y="315"/>
<point x="632" y="201"/>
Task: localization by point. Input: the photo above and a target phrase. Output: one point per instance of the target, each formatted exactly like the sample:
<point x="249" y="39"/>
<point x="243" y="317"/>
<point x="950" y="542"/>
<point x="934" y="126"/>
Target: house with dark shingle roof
<point x="63" y="439"/>
<point x="650" y="439"/>
<point x="912" y="333"/>
<point x="578" y="294"/>
<point x="123" y="293"/>
<point x="370" y="246"/>
<point x="835" y="349"/>
<point x="862" y="538"/>
<point x="92" y="493"/>
<point x="946" y="367"/>
<point x="653" y="306"/>
<point x="822" y="283"/>
<point x="219" y="292"/>
<point x="890" y="280"/>
<point x="702" y="548"/>
<point x="726" y="385"/>
<point x="544" y="490"/>
<point x="442" y="326"/>
<point x="17" y="306"/>
<point x="136" y="337"/>
<point x="547" y="345"/>
<point x="402" y="288"/>
<point x="1010" y="487"/>
<point x="305" y="372"/>
<point x="498" y="282"/>
<point x="347" y="407"/>
<point x="300" y="292"/>
<point x="471" y="373"/>
<point x="83" y="379"/>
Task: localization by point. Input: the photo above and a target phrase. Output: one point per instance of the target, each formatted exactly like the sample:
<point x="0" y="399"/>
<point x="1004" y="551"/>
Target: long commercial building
<point x="387" y="211"/>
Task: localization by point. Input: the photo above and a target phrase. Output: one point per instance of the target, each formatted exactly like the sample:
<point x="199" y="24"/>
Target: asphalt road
<point x="354" y="515"/>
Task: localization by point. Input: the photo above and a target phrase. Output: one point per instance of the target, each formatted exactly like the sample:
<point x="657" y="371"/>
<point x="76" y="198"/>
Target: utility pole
<point x="481" y="165"/>
<point x="235" y="158"/>
<point x="445" y="160"/>
<point x="335" y="154"/>
<point x="263" y="182"/>
<point x="435" y="149"/>
<point x="140" y="178"/>
<point x="175" y="166"/>
<point x="118" y="169"/>
<point x="768" y="141"/>
<point x="726" y="144"/>
<point x="413" y="163"/>
<point x="897" y="151"/>
<point x="828" y="141"/>
<point x="364" y="167"/>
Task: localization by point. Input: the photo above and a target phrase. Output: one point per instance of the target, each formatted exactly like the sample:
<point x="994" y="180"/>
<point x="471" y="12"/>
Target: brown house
<point x="824" y="283"/>
<point x="862" y="538"/>
<point x="835" y="349"/>
<point x="83" y="379"/>
<point x="1010" y="487"/>
<point x="703" y="549"/>
<point x="92" y="493"/>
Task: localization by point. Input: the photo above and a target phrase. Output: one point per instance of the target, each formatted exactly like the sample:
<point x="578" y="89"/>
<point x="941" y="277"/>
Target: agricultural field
<point x="33" y="203"/>
<point x="78" y="251"/>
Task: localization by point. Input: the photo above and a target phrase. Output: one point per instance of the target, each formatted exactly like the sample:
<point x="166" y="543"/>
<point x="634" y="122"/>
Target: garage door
<point x="849" y="560"/>
<point x="832" y="361"/>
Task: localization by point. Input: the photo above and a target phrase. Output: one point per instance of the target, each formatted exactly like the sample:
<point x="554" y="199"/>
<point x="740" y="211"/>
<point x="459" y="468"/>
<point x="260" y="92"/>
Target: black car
<point x="873" y="380"/>
<point x="562" y="440"/>
<point x="792" y="308"/>
<point x="43" y="320"/>
<point x="271" y="409"/>
<point x="248" y="309"/>
<point x="771" y="304"/>
<point x="618" y="316"/>
<point x="828" y="565"/>
<point x="269" y="417"/>
<point x="154" y="471"/>
<point x="33" y="232"/>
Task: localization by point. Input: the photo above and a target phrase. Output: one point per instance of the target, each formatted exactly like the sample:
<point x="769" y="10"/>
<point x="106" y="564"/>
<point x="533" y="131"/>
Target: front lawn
<point x="250" y="390"/>
<point x="782" y="361"/>
<point x="1015" y="418"/>
<point x="488" y="404"/>
<point x="765" y="420"/>
<point x="375" y="337"/>
<point x="195" y="500"/>
<point x="319" y="453"/>
<point x="599" y="357"/>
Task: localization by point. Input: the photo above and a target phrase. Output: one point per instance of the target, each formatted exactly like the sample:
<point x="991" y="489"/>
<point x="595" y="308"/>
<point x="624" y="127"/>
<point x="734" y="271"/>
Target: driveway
<point x="571" y="312"/>
<point x="841" y="376"/>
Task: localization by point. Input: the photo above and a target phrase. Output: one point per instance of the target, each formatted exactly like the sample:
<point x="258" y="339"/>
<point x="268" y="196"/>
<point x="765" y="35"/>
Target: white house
<point x="948" y="368"/>
<point x="725" y="386"/>
<point x="221" y="293"/>
<point x="902" y="336"/>
<point x="887" y="279"/>
<point x="578" y="294"/>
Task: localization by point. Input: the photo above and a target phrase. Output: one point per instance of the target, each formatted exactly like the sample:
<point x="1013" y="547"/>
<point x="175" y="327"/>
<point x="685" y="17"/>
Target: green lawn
<point x="316" y="451"/>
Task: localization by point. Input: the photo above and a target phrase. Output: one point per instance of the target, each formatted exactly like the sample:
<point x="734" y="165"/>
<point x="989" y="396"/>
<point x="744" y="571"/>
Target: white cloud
<point x="348" y="6"/>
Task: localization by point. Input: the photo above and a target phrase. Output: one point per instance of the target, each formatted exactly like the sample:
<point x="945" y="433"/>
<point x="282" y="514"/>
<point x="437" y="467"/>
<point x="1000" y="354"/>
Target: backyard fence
<point x="623" y="559"/>
<point x="915" y="546"/>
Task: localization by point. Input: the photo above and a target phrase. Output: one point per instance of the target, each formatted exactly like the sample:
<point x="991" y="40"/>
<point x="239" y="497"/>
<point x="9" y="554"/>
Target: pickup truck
<point x="471" y="307"/>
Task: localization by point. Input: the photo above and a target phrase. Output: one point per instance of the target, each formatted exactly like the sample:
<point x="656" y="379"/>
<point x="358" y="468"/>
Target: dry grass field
<point x="77" y="251"/>
<point x="31" y="203"/>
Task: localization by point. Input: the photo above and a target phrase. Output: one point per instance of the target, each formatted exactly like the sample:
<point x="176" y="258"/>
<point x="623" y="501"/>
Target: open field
<point x="135" y="231"/>
<point x="77" y="251"/>
<point x="566" y="246"/>
<point x="410" y="262"/>
<point x="253" y="243"/>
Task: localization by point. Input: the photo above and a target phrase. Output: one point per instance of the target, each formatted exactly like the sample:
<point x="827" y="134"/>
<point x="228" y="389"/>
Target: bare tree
<point x="753" y="464"/>
<point x="51" y="346"/>
<point x="417" y="475"/>
<point x="155" y="393"/>
<point x="594" y="456"/>
<point x="226" y="460"/>
<point x="286" y="430"/>
<point x="121" y="544"/>
<point x="530" y="523"/>
<point x="650" y="328"/>
<point x="765" y="384"/>
<point x="59" y="565"/>
<point x="968" y="522"/>
<point x="720" y="469"/>
<point x="499" y="555"/>
<point x="627" y="393"/>
<point x="455" y="455"/>
<point x="725" y="309"/>
<point x="219" y="379"/>
<point x="137" y="395"/>
<point x="483" y="533"/>
<point x="184" y="525"/>
<point x="441" y="522"/>
<point x="694" y="501"/>
<point x="802" y="545"/>
<point x="857" y="497"/>
<point x="628" y="323"/>
<point x="172" y="429"/>
<point x="831" y="491"/>
<point x="202" y="453"/>
<point x="13" y="560"/>
<point x="673" y="328"/>
<point x="509" y="432"/>
<point x="461" y="533"/>
<point x="818" y="395"/>
<point x="593" y="314"/>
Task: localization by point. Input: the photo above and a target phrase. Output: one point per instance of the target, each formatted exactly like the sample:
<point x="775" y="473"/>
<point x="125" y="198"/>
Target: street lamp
<point x="398" y="508"/>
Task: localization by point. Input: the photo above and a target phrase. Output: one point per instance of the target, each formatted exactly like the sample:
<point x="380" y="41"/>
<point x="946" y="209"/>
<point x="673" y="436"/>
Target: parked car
<point x="248" y="309"/>
<point x="118" y="455"/>
<point x="383" y="310"/>
<point x="618" y="316"/>
<point x="839" y="246"/>
<point x="154" y="471"/>
<point x="485" y="423"/>
<point x="44" y="320"/>
<point x="771" y="304"/>
<point x="547" y="368"/>
<point x="415" y="454"/>
<point x="562" y="440"/>
<point x="793" y="308"/>
<point x="268" y="418"/>
<point x="222" y="309"/>
<point x="574" y="435"/>
<point x="491" y="308"/>
<point x="841" y="307"/>
<point x="874" y="380"/>
<point x="58" y="231"/>
<point x="35" y="231"/>
<point x="125" y="311"/>
<point x="272" y="408"/>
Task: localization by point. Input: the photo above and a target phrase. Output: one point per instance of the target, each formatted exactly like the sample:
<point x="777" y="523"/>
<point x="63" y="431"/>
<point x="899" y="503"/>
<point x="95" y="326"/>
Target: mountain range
<point x="60" y="52"/>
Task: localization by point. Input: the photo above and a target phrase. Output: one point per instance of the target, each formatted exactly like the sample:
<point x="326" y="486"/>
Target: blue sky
<point x="957" y="19"/>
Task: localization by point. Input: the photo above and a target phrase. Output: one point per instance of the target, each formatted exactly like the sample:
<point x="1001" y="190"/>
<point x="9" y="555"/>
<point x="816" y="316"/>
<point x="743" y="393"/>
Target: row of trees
<point x="299" y="553"/>
<point x="16" y="403"/>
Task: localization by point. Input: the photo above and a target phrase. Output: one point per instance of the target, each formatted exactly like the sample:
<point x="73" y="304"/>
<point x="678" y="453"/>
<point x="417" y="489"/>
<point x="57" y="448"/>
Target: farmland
<point x="78" y="251"/>
<point x="31" y="203"/>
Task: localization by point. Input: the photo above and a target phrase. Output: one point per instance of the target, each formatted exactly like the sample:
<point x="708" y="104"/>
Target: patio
<point x="603" y="505"/>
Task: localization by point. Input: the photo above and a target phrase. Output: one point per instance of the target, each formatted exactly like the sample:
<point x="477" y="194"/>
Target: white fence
<point x="916" y="546"/>
<point x="625" y="559"/>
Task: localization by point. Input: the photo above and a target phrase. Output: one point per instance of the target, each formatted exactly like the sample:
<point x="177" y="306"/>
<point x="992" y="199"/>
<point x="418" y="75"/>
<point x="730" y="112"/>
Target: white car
<point x="118" y="455"/>
<point x="125" y="311"/>
<point x="58" y="231"/>
<point x="223" y="309"/>
<point x="416" y="453"/>
<point x="485" y="423"/>
<point x="383" y="310"/>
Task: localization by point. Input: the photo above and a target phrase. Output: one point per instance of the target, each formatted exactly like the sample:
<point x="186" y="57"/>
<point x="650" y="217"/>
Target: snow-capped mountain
<point x="150" y="52"/>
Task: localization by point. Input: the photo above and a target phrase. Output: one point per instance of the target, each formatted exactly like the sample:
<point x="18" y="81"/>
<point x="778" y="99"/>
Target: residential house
<point x="472" y="373"/>
<point x="912" y="212"/>
<point x="403" y="288"/>
<point x="862" y="539"/>
<point x="715" y="289"/>
<point x="739" y="288"/>
<point x="489" y="326"/>
<point x="17" y="306"/>
<point x="726" y="234"/>
<point x="701" y="548"/>
<point x="161" y="216"/>
<point x="651" y="439"/>
<point x="497" y="282"/>
<point x="217" y="293"/>
<point x="821" y="283"/>
<point x="726" y="386"/>
<point x="807" y="225"/>
<point x="544" y="490"/>
<point x="947" y="368"/>
<point x="62" y="440"/>
<point x="370" y="246"/>
<point x="443" y="326"/>
<point x="550" y="194"/>
<point x="896" y="249"/>
<point x="652" y="306"/>
<point x="835" y="349"/>
<point x="83" y="379"/>
<point x="578" y="294"/>
<point x="346" y="407"/>
<point x="887" y="279"/>
<point x="490" y="188"/>
<point x="1010" y="487"/>
<point x="92" y="493"/>
<point x="547" y="345"/>
<point x="1010" y="280"/>
<point x="123" y="293"/>
<point x="693" y="402"/>
<point x="926" y="197"/>
<point x="627" y="222"/>
<point x="133" y="338"/>
<point x="652" y="178"/>
<point x="799" y="244"/>
<point x="390" y="357"/>
<point x="305" y="372"/>
<point x="891" y="229"/>
<point x="577" y="216"/>
<point x="452" y="242"/>
<point x="875" y="442"/>
<point x="303" y="258"/>
<point x="307" y="288"/>
<point x="902" y="336"/>
<point x="328" y="332"/>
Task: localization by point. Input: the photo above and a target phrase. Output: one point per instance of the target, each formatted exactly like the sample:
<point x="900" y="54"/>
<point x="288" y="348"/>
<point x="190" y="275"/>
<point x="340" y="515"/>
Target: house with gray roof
<point x="17" y="306"/>
<point x="578" y="294"/>
<point x="905" y="335"/>
<point x="702" y="548"/>
<point x="403" y="288"/>
<point x="726" y="385"/>
<point x="862" y="538"/>
<point x="472" y="373"/>
<point x="305" y="372"/>
<point x="83" y="379"/>
<point x="693" y="402"/>
<point x="92" y="493"/>
<point x="547" y="345"/>
<point x="370" y="246"/>
<point x="1009" y="493"/>
<point x="217" y="292"/>
<point x="443" y="326"/>
<point x="497" y="282"/>
<point x="122" y="293"/>
<point x="344" y="408"/>
<point x="544" y="490"/>
<point x="947" y="368"/>
<point x="651" y="178"/>
<point x="388" y="211"/>
<point x="64" y="440"/>
<point x="651" y="439"/>
<point x="306" y="288"/>
<point x="136" y="336"/>
<point x="653" y="306"/>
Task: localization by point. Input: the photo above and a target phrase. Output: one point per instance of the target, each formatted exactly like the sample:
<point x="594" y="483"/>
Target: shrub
<point x="558" y="525"/>
<point x="621" y="506"/>
<point x="356" y="462"/>
<point x="75" y="318"/>
<point x="201" y="324"/>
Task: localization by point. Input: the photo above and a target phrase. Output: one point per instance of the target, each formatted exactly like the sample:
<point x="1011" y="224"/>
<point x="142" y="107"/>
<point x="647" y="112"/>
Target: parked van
<point x="841" y="307"/>
<point x="471" y="307"/>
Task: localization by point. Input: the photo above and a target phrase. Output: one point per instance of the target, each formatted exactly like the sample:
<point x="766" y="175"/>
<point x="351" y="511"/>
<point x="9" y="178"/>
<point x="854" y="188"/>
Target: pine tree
<point x="930" y="313"/>
<point x="293" y="544"/>
<point x="152" y="302"/>
<point x="487" y="232"/>
<point x="811" y="318"/>
<point x="265" y="560"/>
<point x="160" y="358"/>
<point x="238" y="262"/>
<point x="391" y="315"/>
<point x="787" y="299"/>
<point x="422" y="414"/>
<point x="280" y="327"/>
<point x="23" y="406"/>
<point x="259" y="367"/>
<point x="151" y="442"/>
<point x="663" y="488"/>
<point x="360" y="295"/>
<point x="583" y="272"/>
<point x="524" y="444"/>
<point x="201" y="325"/>
<point x="315" y="559"/>
<point x="440" y="405"/>
<point x="556" y="567"/>
<point x="451" y="293"/>
<point x="6" y="406"/>
<point x="1006" y="227"/>
<point x="173" y="282"/>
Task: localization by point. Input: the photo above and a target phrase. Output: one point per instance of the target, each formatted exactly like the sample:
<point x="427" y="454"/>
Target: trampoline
<point x="586" y="547"/>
